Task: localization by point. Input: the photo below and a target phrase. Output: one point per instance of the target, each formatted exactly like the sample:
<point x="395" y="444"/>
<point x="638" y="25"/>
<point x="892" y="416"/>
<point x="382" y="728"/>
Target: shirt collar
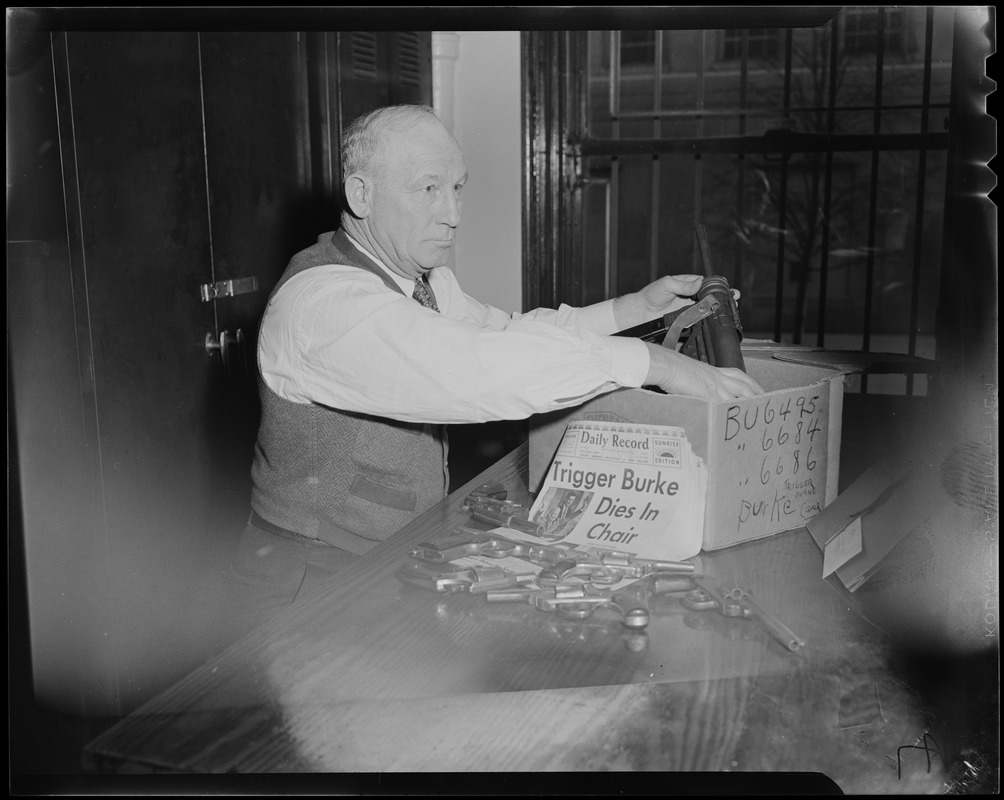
<point x="407" y="285"/>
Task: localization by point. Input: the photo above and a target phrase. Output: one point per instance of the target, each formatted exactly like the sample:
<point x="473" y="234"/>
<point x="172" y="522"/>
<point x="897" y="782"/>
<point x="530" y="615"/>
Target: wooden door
<point x="262" y="208"/>
<point x="182" y="158"/>
<point x="133" y="149"/>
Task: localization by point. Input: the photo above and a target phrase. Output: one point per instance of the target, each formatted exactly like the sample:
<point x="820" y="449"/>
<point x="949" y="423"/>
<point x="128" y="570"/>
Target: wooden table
<point x="371" y="676"/>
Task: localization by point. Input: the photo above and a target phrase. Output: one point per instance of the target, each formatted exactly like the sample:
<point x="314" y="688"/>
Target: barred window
<point x="637" y="49"/>
<point x="760" y="44"/>
<point x="815" y="158"/>
<point x="860" y="30"/>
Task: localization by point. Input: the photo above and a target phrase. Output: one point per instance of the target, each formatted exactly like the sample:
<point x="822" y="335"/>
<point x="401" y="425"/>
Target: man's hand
<point x="676" y="373"/>
<point x="667" y="294"/>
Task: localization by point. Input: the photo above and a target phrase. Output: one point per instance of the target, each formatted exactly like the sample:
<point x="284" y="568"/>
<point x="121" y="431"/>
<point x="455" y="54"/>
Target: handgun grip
<point x="713" y="338"/>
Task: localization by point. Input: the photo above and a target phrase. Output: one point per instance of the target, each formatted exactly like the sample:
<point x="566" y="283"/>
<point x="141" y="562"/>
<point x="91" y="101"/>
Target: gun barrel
<point x="704" y="249"/>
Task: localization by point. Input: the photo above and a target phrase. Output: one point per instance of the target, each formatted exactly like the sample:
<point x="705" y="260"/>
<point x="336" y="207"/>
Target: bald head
<point x="403" y="175"/>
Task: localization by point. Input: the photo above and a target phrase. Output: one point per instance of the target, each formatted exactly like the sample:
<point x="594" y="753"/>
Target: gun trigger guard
<point x="699" y="600"/>
<point x="688" y="318"/>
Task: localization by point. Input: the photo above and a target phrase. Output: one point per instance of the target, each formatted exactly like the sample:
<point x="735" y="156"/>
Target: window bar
<point x="610" y="223"/>
<point x="824" y="259"/>
<point x="698" y="166"/>
<point x="654" y="269"/>
<point x="588" y="185"/>
<point x="613" y="188"/>
<point x="737" y="278"/>
<point x="918" y="227"/>
<point x="576" y="168"/>
<point x="782" y="142"/>
<point x="873" y="194"/>
<point x="782" y="211"/>
<point x="551" y="141"/>
<point x="768" y="112"/>
<point x="553" y="167"/>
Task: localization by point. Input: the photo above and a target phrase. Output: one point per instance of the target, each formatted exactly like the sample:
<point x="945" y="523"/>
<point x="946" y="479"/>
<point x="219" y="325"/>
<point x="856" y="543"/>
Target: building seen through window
<point x="835" y="243"/>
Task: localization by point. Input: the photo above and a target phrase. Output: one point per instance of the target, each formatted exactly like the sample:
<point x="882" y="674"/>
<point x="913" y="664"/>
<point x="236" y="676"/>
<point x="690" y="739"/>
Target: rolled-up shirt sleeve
<point x="338" y="337"/>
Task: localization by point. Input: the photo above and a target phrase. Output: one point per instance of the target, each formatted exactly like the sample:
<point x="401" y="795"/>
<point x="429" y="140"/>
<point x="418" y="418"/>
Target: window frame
<point x="557" y="149"/>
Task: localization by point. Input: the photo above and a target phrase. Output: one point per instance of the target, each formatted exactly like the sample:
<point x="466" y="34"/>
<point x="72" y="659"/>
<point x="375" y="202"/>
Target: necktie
<point x="424" y="295"/>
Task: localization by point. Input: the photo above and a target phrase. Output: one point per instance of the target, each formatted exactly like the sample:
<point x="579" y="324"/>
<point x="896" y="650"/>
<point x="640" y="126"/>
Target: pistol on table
<point x="709" y="596"/>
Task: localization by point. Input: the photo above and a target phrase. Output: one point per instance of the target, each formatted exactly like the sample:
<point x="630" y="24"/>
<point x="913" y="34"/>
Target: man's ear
<point x="358" y="195"/>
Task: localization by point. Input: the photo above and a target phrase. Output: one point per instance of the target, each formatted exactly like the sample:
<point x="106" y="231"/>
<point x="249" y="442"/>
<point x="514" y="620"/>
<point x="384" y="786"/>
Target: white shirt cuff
<point x="631" y="361"/>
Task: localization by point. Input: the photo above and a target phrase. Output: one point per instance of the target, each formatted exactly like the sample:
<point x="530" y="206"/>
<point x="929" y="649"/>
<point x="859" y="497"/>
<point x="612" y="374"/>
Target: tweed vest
<point x="348" y="479"/>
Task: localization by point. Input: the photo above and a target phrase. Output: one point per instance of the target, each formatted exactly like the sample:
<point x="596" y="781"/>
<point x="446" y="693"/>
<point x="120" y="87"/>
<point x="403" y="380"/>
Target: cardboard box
<point x="772" y="460"/>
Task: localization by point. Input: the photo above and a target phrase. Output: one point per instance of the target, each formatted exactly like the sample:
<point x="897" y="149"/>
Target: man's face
<point x="415" y="210"/>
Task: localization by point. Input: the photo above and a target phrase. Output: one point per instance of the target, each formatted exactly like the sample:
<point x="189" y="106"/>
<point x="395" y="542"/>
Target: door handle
<point x="231" y="349"/>
<point x="221" y="346"/>
<point x="241" y="351"/>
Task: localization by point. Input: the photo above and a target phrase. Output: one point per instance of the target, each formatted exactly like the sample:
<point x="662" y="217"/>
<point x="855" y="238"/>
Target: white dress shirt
<point x="336" y="335"/>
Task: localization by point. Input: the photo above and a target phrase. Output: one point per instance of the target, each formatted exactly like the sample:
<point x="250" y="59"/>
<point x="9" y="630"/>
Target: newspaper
<point x="638" y="489"/>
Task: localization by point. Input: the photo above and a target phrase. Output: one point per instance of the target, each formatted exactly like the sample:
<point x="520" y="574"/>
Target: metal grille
<point x="815" y="158"/>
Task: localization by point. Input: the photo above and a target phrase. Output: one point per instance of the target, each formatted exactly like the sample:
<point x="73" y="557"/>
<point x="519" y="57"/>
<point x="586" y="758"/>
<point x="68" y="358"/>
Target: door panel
<point x="144" y="249"/>
<point x="52" y="427"/>
<point x="257" y="152"/>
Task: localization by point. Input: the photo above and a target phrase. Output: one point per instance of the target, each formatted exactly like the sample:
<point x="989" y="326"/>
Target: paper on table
<point x="842" y="547"/>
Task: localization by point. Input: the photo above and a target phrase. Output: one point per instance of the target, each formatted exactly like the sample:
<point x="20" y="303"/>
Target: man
<point x="358" y="379"/>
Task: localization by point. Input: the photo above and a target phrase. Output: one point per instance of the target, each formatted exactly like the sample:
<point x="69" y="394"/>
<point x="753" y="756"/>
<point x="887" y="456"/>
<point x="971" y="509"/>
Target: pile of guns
<point x="569" y="582"/>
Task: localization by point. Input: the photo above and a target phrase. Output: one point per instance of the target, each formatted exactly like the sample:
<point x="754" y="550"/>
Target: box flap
<point x="867" y="492"/>
<point x="854" y="361"/>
